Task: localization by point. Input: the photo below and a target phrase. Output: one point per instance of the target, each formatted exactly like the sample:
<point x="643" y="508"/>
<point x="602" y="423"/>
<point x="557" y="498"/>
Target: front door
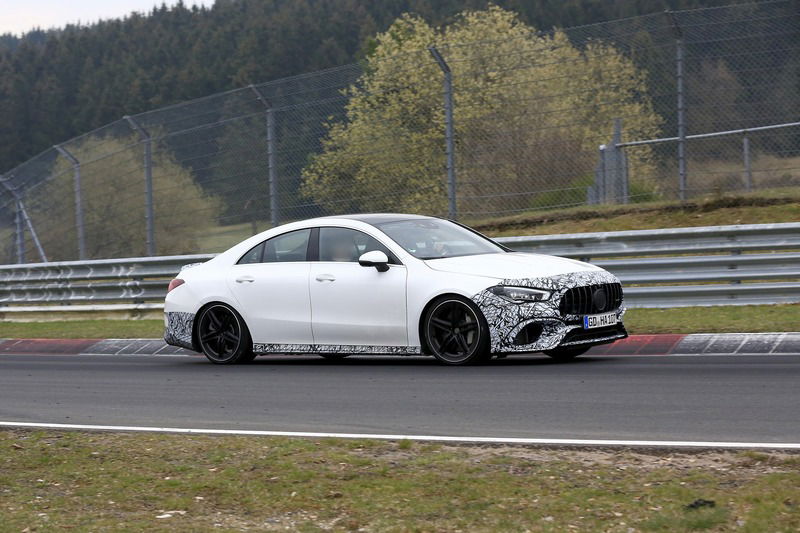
<point x="351" y="304"/>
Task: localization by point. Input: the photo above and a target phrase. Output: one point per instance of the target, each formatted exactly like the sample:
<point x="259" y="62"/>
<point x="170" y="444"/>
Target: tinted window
<point x="435" y="239"/>
<point x="253" y="256"/>
<point x="342" y="244"/>
<point x="284" y="248"/>
<point x="290" y="246"/>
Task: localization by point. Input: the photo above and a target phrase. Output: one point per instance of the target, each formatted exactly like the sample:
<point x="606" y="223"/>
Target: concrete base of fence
<point x="635" y="345"/>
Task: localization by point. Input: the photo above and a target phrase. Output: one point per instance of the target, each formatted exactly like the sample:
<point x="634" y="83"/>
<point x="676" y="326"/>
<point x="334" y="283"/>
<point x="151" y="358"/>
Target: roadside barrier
<point x="678" y="267"/>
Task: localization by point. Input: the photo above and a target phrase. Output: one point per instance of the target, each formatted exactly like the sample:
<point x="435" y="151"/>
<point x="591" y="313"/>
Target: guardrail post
<point x="79" y="227"/>
<point x="748" y="170"/>
<point x="681" y="110"/>
<point x="149" y="212"/>
<point x="449" y="133"/>
<point x="274" y="209"/>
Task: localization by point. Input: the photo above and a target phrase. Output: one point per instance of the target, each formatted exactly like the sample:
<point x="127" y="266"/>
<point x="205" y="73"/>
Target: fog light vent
<point x="528" y="334"/>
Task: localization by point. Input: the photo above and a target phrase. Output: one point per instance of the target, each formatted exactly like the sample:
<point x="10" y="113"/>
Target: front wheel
<point x="455" y="331"/>
<point x="566" y="354"/>
<point x="223" y="336"/>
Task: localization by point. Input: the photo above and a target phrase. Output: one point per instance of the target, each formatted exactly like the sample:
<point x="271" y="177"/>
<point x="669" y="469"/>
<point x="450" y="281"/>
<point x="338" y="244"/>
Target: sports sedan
<point x="389" y="284"/>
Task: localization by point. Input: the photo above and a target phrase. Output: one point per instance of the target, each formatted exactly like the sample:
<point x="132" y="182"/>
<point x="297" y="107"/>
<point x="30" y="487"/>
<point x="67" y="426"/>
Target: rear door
<point x="351" y="304"/>
<point x="271" y="284"/>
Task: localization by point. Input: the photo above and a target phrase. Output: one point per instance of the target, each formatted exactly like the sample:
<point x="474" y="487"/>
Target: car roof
<point x="377" y="218"/>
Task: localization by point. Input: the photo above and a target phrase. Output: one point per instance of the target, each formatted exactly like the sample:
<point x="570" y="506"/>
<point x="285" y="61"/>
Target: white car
<point x="389" y="284"/>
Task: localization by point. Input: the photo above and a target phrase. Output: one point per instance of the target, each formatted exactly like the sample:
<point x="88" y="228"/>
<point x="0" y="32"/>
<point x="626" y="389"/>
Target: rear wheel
<point x="455" y="331"/>
<point x="223" y="336"/>
<point x="566" y="354"/>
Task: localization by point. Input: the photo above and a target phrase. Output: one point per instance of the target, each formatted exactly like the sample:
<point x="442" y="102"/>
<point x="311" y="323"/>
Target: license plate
<point x="599" y="321"/>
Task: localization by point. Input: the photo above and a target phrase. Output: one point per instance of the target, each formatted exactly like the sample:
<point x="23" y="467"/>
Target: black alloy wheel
<point x="223" y="336"/>
<point x="456" y="332"/>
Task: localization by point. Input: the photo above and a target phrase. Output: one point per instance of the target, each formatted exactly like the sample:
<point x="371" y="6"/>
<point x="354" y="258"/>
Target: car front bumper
<point x="539" y="326"/>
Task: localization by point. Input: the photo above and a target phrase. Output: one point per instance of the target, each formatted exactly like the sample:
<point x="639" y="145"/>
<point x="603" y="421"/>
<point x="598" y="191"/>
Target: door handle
<point x="326" y="277"/>
<point x="245" y="279"/>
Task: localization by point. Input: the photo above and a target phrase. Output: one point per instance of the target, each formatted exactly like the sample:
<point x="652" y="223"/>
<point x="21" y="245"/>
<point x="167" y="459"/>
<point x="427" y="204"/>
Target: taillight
<point x="177" y="282"/>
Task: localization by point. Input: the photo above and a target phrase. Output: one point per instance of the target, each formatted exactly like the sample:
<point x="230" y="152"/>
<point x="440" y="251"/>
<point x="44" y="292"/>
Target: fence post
<point x="748" y="169"/>
<point x="21" y="219"/>
<point x="595" y="193"/>
<point x="274" y="207"/>
<point x="79" y="227"/>
<point x="149" y="211"/>
<point x="611" y="174"/>
<point x="620" y="176"/>
<point x="449" y="134"/>
<point x="19" y="233"/>
<point x="680" y="89"/>
<point x="34" y="236"/>
<point x="19" y="228"/>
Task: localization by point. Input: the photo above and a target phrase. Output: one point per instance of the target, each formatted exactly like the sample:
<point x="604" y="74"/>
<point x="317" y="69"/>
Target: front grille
<point x="591" y="299"/>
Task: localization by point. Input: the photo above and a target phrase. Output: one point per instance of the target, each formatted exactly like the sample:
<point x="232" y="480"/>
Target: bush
<point x="114" y="203"/>
<point x="530" y="111"/>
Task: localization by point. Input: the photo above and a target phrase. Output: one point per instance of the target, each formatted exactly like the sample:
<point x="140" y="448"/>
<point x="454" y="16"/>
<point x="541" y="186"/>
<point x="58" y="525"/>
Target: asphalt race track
<point x="692" y="398"/>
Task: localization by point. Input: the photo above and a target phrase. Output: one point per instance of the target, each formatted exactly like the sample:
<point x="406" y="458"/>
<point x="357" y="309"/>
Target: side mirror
<point x="376" y="259"/>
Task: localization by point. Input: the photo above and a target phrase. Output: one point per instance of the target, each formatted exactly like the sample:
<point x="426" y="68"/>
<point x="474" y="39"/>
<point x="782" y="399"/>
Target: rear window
<point x="288" y="247"/>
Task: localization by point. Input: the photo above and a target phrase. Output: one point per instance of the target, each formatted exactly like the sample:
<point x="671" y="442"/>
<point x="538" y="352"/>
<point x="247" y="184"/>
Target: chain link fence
<point x="508" y="124"/>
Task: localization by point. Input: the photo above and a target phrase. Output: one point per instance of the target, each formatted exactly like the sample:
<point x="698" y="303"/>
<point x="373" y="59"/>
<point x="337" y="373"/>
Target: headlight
<point x="521" y="295"/>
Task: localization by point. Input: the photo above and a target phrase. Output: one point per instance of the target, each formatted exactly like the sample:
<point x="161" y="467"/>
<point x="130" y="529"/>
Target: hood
<point x="510" y="265"/>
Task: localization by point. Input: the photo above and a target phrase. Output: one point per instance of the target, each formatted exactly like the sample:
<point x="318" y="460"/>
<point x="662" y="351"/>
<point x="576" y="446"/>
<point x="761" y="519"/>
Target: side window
<point x="343" y="244"/>
<point x="290" y="246"/>
<point x="252" y="256"/>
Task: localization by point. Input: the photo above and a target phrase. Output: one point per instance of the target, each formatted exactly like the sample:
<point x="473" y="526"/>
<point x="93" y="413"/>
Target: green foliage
<point x="512" y="91"/>
<point x="59" y="83"/>
<point x="113" y="202"/>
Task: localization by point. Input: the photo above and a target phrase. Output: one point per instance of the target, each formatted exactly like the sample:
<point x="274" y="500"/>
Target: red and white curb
<point x="636" y="345"/>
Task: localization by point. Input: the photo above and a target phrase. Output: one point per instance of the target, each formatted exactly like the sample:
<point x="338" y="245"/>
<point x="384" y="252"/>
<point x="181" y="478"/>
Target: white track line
<point x="430" y="438"/>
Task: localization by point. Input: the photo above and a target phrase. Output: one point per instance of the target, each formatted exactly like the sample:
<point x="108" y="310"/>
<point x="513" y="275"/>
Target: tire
<point x="455" y="331"/>
<point x="566" y="354"/>
<point x="223" y="336"/>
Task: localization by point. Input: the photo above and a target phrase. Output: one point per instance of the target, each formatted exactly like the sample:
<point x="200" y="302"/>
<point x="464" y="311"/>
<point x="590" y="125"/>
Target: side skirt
<point x="266" y="348"/>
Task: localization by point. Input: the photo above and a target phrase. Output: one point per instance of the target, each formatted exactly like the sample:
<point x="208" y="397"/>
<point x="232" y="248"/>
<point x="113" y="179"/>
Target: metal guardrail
<point x="681" y="267"/>
<point x="716" y="265"/>
<point x="129" y="284"/>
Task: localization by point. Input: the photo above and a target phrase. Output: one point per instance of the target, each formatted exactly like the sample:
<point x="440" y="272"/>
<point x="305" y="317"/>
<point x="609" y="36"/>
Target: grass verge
<point x="51" y="481"/>
<point x="722" y="319"/>
<point x="83" y="329"/>
<point x="774" y="205"/>
<point x="712" y="211"/>
<point x="745" y="318"/>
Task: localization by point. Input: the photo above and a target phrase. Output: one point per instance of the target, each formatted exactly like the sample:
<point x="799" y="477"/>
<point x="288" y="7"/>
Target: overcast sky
<point x="18" y="16"/>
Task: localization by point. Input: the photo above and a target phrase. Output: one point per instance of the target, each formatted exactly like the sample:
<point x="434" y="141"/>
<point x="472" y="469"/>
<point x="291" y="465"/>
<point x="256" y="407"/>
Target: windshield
<point x="428" y="238"/>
